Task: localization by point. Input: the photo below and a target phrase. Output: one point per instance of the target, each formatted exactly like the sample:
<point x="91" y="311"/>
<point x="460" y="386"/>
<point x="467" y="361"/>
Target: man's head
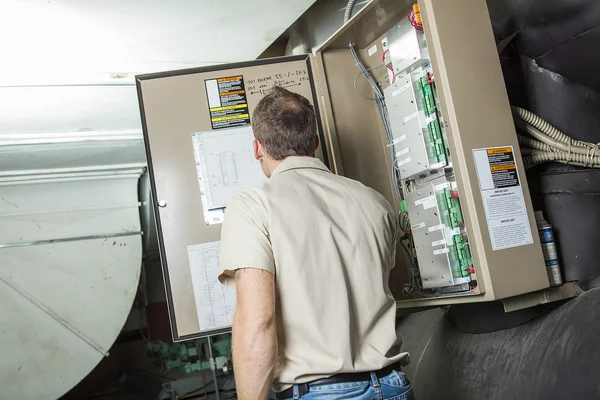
<point x="284" y="125"/>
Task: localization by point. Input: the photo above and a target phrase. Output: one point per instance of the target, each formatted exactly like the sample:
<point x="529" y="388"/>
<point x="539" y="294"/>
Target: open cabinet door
<point x="198" y="137"/>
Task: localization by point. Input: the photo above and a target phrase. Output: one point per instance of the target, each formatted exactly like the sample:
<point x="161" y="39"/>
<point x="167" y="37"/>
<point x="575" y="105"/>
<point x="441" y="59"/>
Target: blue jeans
<point x="395" y="386"/>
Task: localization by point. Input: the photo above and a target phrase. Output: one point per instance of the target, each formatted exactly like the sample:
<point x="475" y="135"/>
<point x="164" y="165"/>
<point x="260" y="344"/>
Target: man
<point x="311" y="253"/>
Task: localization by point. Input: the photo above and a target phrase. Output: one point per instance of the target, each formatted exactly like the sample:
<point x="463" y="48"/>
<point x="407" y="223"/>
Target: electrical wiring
<point x="544" y="126"/>
<point x="532" y="144"/>
<point x="413" y="21"/>
<point x="559" y="145"/>
<point x="537" y="157"/>
<point x="546" y="143"/>
<point x="389" y="66"/>
<point x="381" y="109"/>
<point x="363" y="73"/>
<point x="348" y="10"/>
<point x="414" y="284"/>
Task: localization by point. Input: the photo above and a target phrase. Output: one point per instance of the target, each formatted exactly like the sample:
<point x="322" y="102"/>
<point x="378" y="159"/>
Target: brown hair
<point x="285" y="124"/>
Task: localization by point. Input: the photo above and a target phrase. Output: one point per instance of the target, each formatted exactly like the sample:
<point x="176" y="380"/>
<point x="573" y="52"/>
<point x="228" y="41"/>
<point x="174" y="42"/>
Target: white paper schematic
<point x="225" y="164"/>
<point x="215" y="303"/>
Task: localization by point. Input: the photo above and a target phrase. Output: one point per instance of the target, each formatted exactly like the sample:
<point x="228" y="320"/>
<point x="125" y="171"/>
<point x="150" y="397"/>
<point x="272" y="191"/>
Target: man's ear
<point x="316" y="142"/>
<point x="258" y="150"/>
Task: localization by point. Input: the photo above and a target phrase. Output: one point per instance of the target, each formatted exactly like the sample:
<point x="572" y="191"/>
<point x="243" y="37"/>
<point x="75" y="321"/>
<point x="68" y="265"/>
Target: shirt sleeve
<point x="245" y="241"/>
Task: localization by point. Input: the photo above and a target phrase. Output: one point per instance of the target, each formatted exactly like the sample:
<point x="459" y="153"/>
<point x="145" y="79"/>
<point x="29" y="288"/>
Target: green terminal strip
<point x="463" y="253"/>
<point x="433" y="134"/>
<point x="403" y="207"/>
<point x="453" y="204"/>
<point x="428" y="95"/>
<point x="451" y="216"/>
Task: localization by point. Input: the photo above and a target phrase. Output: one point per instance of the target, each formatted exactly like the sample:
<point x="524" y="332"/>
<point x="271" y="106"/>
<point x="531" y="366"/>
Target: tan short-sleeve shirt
<point x="330" y="242"/>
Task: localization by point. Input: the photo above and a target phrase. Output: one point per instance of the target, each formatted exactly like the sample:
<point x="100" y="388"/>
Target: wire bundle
<point x="381" y="108"/>
<point x="547" y="143"/>
<point x="414" y="17"/>
<point x="414" y="284"/>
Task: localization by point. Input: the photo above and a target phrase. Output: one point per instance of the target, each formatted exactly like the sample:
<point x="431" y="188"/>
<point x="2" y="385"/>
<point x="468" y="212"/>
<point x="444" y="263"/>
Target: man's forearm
<point x="254" y="357"/>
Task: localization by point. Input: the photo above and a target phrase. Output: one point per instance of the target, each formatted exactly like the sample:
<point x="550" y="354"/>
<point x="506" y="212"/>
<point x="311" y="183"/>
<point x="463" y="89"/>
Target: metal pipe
<point x="17" y="139"/>
<point x="69" y="239"/>
<point x="73" y="178"/>
<point x="213" y="367"/>
<point x="94" y="168"/>
<point x="82" y="209"/>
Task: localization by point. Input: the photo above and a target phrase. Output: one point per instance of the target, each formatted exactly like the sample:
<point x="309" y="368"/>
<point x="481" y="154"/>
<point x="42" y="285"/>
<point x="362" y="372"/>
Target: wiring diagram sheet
<point x="225" y="164"/>
<point x="215" y="303"/>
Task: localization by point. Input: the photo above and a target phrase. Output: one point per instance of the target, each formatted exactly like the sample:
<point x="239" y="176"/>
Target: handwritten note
<point x="265" y="84"/>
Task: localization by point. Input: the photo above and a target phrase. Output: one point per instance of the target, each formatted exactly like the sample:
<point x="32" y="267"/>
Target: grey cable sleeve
<point x="348" y="11"/>
<point x="537" y="157"/>
<point x="545" y="127"/>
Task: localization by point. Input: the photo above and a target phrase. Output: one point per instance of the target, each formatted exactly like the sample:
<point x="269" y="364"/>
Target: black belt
<point x="303" y="388"/>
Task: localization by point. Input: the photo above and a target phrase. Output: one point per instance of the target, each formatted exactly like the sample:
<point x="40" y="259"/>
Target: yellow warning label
<point x="232" y="93"/>
<point x="500" y="150"/>
<point x="505" y="167"/>
<point x="230" y="78"/>
<point x="229" y="107"/>
<point x="240" y="116"/>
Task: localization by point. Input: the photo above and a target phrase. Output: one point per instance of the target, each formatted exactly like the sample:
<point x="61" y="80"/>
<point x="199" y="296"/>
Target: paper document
<point x="215" y="303"/>
<point x="502" y="195"/>
<point x="226" y="164"/>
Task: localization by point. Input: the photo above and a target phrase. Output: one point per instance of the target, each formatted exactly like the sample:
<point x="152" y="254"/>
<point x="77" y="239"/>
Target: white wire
<point x="546" y="127"/>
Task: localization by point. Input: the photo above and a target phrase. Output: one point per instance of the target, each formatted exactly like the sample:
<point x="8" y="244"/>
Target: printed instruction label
<point x="402" y="152"/>
<point x="441" y="251"/>
<point x="402" y="162"/>
<point x="427" y="202"/>
<point x="502" y="196"/>
<point x="399" y="139"/>
<point x="227" y="102"/>
<point x="372" y="50"/>
<point x="418" y="226"/>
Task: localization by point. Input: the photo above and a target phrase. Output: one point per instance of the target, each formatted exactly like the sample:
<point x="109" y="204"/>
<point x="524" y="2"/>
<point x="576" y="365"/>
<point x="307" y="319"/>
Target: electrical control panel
<point x="417" y="134"/>
<point x="415" y="106"/>
<point x="421" y="155"/>
<point x="438" y="234"/>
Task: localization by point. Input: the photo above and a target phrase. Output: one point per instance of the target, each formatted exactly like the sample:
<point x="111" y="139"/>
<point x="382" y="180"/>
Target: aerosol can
<point x="549" y="249"/>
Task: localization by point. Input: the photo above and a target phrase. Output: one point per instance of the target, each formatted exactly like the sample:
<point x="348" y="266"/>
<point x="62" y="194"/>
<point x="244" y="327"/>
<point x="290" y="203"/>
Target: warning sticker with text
<point x="227" y="102"/>
<point x="502" y="196"/>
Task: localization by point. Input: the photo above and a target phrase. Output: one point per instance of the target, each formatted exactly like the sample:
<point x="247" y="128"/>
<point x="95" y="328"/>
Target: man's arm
<point x="254" y="334"/>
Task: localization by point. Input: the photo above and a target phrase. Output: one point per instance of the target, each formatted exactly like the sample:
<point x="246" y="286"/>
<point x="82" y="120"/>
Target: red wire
<point x="411" y="19"/>
<point x="393" y="74"/>
<point x="383" y="55"/>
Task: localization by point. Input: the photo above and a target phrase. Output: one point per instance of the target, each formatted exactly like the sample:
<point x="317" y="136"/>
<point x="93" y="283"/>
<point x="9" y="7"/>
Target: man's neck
<point x="269" y="165"/>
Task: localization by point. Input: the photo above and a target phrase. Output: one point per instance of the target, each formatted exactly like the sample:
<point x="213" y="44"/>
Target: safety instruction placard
<point x="227" y="102"/>
<point x="502" y="196"/>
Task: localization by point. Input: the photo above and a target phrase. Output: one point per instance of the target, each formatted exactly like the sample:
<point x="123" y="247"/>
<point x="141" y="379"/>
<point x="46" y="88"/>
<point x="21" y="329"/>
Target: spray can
<point x="549" y="249"/>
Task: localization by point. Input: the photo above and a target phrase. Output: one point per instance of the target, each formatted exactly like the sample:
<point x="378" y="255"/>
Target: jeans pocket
<point x="396" y="379"/>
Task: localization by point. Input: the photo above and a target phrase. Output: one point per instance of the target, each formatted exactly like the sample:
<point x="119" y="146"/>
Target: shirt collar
<point x="296" y="162"/>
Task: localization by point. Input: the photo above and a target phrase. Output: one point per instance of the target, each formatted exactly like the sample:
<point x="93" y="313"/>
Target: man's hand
<point x="254" y="334"/>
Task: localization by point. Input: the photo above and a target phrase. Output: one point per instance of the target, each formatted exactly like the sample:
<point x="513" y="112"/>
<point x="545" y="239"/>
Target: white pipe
<point x="47" y="172"/>
<point x="27" y="214"/>
<point x="68" y="179"/>
<point x="13" y="139"/>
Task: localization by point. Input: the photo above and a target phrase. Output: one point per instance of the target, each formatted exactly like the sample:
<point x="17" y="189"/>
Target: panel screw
<point x="162" y="203"/>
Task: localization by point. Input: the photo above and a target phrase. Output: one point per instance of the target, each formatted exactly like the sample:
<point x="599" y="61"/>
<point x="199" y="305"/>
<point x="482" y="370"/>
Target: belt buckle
<point x="303" y="389"/>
